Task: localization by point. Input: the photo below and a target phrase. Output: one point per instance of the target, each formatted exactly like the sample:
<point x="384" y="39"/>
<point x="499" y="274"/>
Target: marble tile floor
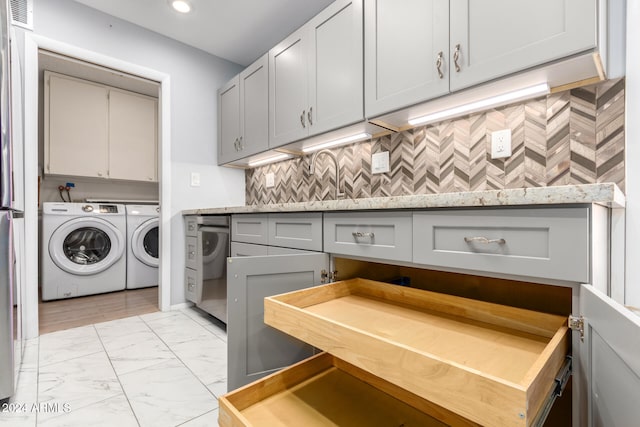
<point x="157" y="369"/>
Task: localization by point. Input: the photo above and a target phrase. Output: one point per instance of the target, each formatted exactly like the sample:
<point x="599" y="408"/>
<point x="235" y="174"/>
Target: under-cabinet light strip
<point x="494" y="101"/>
<point x="271" y="159"/>
<point x="345" y="140"/>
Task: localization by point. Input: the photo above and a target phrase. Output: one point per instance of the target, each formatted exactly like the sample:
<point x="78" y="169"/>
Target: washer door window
<point x="145" y="243"/>
<point x="85" y="246"/>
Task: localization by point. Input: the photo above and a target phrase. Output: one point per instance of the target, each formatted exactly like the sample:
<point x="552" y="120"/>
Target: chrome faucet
<point x="335" y="162"/>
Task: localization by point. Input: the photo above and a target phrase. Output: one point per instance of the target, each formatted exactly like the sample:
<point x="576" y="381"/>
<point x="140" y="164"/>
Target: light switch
<point x="380" y="162"/>
<point x="195" y="179"/>
<point x="270" y="180"/>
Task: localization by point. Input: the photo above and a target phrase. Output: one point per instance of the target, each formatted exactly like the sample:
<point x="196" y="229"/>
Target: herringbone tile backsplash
<point x="572" y="137"/>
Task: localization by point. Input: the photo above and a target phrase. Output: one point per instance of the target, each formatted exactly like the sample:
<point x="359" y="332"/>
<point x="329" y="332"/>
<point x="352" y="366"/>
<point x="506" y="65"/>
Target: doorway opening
<point x="40" y="54"/>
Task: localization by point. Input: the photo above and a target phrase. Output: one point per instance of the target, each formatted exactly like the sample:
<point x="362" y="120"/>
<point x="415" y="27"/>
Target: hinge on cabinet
<point x="328" y="276"/>
<point x="576" y="323"/>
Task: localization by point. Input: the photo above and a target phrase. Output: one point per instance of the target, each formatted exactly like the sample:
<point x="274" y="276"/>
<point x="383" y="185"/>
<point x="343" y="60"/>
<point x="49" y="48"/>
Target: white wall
<point x="195" y="77"/>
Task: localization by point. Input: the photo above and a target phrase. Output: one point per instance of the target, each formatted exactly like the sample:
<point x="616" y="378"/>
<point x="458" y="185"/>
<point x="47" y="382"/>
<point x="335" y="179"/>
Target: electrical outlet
<point x="501" y="144"/>
<point x="380" y="162"/>
<point x="270" y="180"/>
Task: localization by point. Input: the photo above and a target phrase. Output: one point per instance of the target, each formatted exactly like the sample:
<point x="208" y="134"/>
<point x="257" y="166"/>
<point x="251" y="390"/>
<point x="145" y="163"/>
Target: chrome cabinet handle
<point x="304" y="125"/>
<point x="309" y="116"/>
<point x="240" y="144"/>
<point x="439" y="61"/>
<point x="358" y="234"/>
<point x="235" y="144"/>
<point x="456" y="57"/>
<point x="484" y="240"/>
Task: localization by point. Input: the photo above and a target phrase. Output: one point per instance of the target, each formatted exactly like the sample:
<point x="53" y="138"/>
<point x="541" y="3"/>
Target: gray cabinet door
<point x="229" y="121"/>
<point x="288" y="97"/>
<point x="403" y="43"/>
<point x="608" y="358"/>
<point x="498" y="37"/>
<point x="335" y="67"/>
<point x="255" y="349"/>
<point x="254" y="108"/>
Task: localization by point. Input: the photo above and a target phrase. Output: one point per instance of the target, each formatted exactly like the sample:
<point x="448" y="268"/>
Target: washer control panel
<point x="108" y="208"/>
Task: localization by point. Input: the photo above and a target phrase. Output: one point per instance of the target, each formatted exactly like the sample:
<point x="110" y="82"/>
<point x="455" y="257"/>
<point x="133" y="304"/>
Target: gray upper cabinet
<point x="417" y="50"/>
<point x="228" y="120"/>
<point x="406" y="53"/>
<point x="288" y="96"/>
<point x="316" y="75"/>
<point x="243" y="124"/>
<point x="490" y="39"/>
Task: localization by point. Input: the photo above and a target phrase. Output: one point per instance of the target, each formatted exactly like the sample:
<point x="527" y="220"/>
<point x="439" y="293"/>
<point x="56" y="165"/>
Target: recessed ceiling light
<point x="182" y="6"/>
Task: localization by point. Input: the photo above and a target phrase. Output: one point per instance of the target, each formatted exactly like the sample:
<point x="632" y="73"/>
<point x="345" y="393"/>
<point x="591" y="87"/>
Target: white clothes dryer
<point x="143" y="245"/>
<point x="83" y="249"/>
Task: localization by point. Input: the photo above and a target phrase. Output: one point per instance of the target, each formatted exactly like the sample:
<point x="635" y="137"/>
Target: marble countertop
<point x="606" y="194"/>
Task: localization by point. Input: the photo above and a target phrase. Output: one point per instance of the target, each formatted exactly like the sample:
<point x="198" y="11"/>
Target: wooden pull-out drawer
<point x="382" y="235"/>
<point x="489" y="363"/>
<point x="325" y="391"/>
<point x="546" y="243"/>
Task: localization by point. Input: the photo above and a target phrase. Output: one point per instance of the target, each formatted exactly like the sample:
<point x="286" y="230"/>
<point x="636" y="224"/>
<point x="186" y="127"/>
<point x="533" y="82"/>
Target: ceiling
<point x="237" y="30"/>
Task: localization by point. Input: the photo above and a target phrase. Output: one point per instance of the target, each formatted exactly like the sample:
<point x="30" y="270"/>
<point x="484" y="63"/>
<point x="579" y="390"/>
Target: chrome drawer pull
<point x="484" y="240"/>
<point x="357" y="234"/>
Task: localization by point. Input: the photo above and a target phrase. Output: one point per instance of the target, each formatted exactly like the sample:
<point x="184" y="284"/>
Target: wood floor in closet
<point x="81" y="311"/>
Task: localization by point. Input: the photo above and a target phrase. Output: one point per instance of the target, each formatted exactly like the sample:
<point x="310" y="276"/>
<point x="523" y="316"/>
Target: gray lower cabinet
<point x="545" y="243"/>
<point x="383" y="235"/>
<point x="254" y="349"/>
<point x="248" y="249"/>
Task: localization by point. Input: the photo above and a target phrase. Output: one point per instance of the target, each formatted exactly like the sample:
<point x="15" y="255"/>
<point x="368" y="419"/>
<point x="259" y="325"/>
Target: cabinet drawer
<point x="326" y="391"/>
<point x="298" y="231"/>
<point x="546" y="243"/>
<point x="492" y="364"/>
<point x="248" y="249"/>
<point x="384" y="235"/>
<point x="249" y="228"/>
<point x="190" y="258"/>
<point x="191" y="225"/>
<point x="191" y="285"/>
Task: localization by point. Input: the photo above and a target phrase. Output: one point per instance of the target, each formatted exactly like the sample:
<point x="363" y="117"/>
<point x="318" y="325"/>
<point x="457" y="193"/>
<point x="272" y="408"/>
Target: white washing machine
<point x="83" y="249"/>
<point x="143" y="246"/>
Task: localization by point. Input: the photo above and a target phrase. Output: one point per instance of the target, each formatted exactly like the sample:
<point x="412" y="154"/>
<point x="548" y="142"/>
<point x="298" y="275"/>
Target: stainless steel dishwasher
<point x="206" y="264"/>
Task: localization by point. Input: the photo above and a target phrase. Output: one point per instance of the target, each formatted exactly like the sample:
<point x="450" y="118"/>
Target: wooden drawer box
<point x="326" y="391"/>
<point x="382" y="235"/>
<point x="489" y="363"/>
<point x="547" y="243"/>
